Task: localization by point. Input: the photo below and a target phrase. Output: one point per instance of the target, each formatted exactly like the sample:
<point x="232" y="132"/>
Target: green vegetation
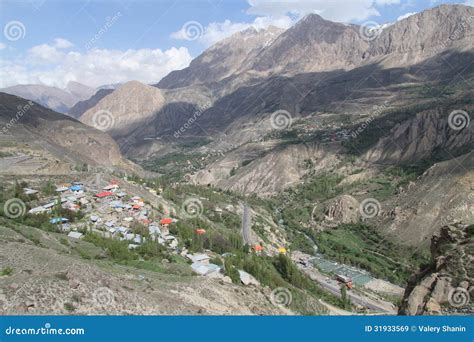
<point x="361" y="246"/>
<point x="278" y="271"/>
<point x="6" y="154"/>
<point x="6" y="271"/>
<point x="69" y="307"/>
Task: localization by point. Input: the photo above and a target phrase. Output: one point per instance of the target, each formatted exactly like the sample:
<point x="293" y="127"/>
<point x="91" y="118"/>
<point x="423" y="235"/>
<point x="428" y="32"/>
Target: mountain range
<point x="306" y="124"/>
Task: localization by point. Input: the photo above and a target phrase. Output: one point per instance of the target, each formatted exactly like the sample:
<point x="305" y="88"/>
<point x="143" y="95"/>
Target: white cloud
<point x="336" y="10"/>
<point x="62" y="43"/>
<point x="406" y="15"/>
<point x="469" y="3"/>
<point x="52" y="65"/>
<point x="2" y="46"/>
<point x="217" y="31"/>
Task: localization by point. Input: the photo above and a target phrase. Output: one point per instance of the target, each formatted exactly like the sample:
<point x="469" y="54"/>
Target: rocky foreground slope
<point x="447" y="285"/>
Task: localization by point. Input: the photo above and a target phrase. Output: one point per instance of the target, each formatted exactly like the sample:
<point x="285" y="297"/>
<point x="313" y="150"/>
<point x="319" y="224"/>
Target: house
<point x="121" y="194"/>
<point x="203" y="269"/>
<point x="201" y="258"/>
<point x="104" y="194"/>
<point x="166" y="221"/>
<point x="57" y="220"/>
<point x="75" y="235"/>
<point x="62" y="189"/>
<point x="110" y="187"/>
<point x="138" y="239"/>
<point x="199" y="268"/>
<point x="247" y="279"/>
<point x="37" y="210"/>
<point x="154" y="230"/>
<point x="95" y="218"/>
<point x="76" y="188"/>
<point x="110" y="223"/>
<point x="28" y="191"/>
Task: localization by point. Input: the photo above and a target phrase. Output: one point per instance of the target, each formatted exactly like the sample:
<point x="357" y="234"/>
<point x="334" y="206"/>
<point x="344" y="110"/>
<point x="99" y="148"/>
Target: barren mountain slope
<point x="82" y="106"/>
<point x="120" y="112"/>
<point x="42" y="141"/>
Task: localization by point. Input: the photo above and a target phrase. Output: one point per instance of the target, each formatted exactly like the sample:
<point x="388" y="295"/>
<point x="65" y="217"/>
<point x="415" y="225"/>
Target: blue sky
<point x="108" y="41"/>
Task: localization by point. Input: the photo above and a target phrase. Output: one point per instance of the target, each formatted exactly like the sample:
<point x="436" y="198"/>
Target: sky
<point x="100" y="42"/>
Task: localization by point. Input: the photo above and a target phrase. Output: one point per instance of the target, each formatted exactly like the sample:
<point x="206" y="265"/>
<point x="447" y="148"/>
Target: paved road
<point x="246" y="224"/>
<point x="333" y="286"/>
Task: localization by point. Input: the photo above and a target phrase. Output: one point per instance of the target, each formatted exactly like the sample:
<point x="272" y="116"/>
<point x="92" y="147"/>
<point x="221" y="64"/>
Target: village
<point x="112" y="212"/>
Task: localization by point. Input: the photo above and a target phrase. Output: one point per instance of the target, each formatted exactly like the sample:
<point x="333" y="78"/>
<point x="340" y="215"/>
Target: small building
<point x="166" y="221"/>
<point x="28" y="191"/>
<point x="75" y="235"/>
<point x="37" y="210"/>
<point x="76" y="188"/>
<point x="57" y="220"/>
<point x="95" y="218"/>
<point x="201" y="258"/>
<point x="104" y="194"/>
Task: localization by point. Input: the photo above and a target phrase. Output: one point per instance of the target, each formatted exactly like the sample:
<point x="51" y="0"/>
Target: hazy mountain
<point x="59" y="100"/>
<point x="82" y="106"/>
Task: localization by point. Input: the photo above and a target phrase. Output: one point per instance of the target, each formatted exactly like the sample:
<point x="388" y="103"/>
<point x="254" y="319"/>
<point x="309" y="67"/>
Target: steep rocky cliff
<point x="447" y="285"/>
